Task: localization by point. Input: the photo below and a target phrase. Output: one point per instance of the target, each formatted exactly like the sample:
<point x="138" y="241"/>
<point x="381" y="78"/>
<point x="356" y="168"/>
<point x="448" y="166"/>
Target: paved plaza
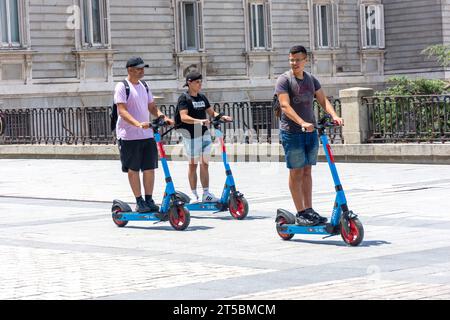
<point x="58" y="241"/>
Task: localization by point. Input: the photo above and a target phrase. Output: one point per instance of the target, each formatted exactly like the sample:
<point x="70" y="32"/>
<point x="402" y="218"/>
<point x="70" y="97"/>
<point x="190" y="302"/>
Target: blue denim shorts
<point x="300" y="149"/>
<point x="200" y="146"/>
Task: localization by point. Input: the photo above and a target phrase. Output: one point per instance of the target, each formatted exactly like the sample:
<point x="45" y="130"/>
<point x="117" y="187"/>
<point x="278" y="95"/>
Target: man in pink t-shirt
<point x="137" y="146"/>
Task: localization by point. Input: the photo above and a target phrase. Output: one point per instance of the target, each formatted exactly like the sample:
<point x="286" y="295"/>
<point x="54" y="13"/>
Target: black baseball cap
<point x="136" y="62"/>
<point x="192" y="76"/>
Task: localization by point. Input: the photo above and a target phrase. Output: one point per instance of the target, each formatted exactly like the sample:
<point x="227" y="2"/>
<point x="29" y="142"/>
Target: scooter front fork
<point x="346" y="216"/>
<point x="234" y="196"/>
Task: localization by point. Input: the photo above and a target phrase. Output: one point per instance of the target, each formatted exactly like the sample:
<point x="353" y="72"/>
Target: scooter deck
<point x="204" y="206"/>
<point x="296" y="229"/>
<point x="137" y="216"/>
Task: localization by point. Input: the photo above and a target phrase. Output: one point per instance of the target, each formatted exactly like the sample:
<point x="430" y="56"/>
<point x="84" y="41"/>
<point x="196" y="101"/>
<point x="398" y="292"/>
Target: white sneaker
<point x="209" y="197"/>
<point x="194" y="199"/>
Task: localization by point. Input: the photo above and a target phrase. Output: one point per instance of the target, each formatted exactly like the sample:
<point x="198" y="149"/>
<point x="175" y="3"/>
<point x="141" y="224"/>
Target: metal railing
<point x="253" y="122"/>
<point x="408" y="119"/>
<point x="70" y="125"/>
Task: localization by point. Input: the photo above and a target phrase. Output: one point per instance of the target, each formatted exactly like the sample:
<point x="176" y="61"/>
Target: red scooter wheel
<point x="119" y="223"/>
<point x="356" y="232"/>
<point x="179" y="217"/>
<point x="239" y="210"/>
<point x="281" y="220"/>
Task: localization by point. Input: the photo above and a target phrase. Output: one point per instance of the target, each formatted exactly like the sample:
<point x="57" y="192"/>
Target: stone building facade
<point x="71" y="52"/>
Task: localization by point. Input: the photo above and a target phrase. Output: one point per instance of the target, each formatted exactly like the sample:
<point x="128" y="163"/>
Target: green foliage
<point x="403" y="86"/>
<point x="407" y="111"/>
<point x="440" y="52"/>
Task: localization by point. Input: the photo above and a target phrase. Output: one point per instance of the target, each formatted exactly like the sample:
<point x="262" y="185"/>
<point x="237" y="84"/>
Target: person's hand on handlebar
<point x="144" y="125"/>
<point x="226" y="118"/>
<point x="169" y="121"/>
<point x="338" y="121"/>
<point x="205" y="122"/>
<point x="307" y="127"/>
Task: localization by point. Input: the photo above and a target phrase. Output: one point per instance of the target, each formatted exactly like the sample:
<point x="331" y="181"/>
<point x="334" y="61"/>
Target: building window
<point x="95" y="23"/>
<point x="10" y="27"/>
<point x="259" y="24"/>
<point x="326" y="26"/>
<point x="372" y="26"/>
<point x="190" y="25"/>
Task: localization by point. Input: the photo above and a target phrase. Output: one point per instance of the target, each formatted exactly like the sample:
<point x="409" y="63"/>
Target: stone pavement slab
<point x="58" y="241"/>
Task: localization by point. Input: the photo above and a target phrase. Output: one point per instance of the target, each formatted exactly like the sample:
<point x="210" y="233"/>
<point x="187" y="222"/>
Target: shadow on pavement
<point x="229" y="217"/>
<point x="169" y="228"/>
<point x="341" y="243"/>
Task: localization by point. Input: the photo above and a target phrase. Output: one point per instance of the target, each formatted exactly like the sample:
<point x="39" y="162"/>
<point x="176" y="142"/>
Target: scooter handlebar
<point x="325" y="122"/>
<point x="218" y="120"/>
<point x="159" y="122"/>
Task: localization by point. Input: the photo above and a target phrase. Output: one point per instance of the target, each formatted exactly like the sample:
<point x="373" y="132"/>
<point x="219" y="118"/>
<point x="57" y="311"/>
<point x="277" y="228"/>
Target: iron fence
<point x="408" y="119"/>
<point x="253" y="122"/>
<point x="70" y="125"/>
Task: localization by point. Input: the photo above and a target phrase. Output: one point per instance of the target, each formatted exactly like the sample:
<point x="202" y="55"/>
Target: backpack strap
<point x="188" y="96"/>
<point x="292" y="83"/>
<point x="289" y="74"/>
<point x="144" y="83"/>
<point x="127" y="88"/>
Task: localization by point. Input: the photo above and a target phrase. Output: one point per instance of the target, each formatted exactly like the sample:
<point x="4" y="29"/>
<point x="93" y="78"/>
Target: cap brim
<point x="142" y="65"/>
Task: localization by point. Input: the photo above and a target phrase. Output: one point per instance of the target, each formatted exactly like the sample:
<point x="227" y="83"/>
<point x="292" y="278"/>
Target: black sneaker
<point x="153" y="207"/>
<point x="314" y="216"/>
<point x="304" y="220"/>
<point x="142" y="206"/>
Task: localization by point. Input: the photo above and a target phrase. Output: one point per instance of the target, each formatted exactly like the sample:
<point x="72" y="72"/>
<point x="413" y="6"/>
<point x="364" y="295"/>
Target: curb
<point x="263" y="152"/>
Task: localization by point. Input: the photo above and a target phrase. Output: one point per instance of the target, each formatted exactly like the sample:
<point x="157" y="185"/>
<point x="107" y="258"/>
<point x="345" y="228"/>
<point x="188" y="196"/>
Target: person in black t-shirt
<point x="194" y="108"/>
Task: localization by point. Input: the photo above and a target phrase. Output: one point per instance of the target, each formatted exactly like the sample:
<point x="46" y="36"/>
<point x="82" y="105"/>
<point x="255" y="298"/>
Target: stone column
<point x="355" y="115"/>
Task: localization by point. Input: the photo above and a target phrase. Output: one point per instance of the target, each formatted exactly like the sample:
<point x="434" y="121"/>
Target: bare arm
<point x="214" y="114"/>
<point x="287" y="109"/>
<point x="153" y="109"/>
<point x="188" y="119"/>
<point x="328" y="107"/>
<point x="210" y="111"/>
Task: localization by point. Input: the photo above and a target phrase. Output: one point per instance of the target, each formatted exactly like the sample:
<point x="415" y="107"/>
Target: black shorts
<point x="138" y="154"/>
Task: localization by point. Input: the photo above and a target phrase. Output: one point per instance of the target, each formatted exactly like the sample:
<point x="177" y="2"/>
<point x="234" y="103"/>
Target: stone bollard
<point x="355" y="115"/>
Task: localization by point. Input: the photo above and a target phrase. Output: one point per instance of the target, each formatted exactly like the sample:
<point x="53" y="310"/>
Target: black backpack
<point x="114" y="113"/>
<point x="275" y="102"/>
<point x="276" y="106"/>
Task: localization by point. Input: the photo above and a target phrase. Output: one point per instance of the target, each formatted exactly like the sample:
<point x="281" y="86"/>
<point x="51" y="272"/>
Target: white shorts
<point x="197" y="147"/>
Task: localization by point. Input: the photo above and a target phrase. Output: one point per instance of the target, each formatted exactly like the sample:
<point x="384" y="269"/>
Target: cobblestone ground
<point x="58" y="241"/>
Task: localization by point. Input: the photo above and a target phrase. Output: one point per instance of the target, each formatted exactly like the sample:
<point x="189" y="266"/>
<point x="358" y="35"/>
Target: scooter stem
<point x="332" y="165"/>
<point x="230" y="180"/>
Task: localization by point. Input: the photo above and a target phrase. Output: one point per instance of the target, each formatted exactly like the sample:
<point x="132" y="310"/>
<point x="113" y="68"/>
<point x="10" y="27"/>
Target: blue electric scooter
<point x="172" y="208"/>
<point x="343" y="221"/>
<point x="231" y="199"/>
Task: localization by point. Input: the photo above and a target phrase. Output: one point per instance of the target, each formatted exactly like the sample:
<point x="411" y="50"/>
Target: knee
<point x="296" y="174"/>
<point x="132" y="172"/>
<point x="307" y="171"/>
